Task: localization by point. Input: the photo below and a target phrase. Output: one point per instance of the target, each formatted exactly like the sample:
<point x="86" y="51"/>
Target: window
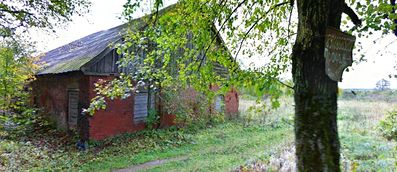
<point x="73" y="108"/>
<point x="219" y="103"/>
<point x="141" y="106"/>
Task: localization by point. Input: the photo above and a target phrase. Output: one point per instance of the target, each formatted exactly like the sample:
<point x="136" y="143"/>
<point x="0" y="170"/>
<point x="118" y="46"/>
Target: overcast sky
<point x="104" y="15"/>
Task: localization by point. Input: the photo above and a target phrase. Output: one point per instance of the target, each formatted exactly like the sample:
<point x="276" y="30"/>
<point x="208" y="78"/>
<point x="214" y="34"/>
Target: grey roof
<point x="73" y="56"/>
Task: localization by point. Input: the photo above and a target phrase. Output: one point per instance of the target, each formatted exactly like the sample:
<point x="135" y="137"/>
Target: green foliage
<point x="181" y="43"/>
<point x="212" y="148"/>
<point x="120" y="87"/>
<point x="362" y="146"/>
<point x="377" y="16"/>
<point x="23" y="14"/>
<point x="367" y="153"/>
<point x="153" y="119"/>
<point x="256" y="111"/>
<point x="388" y="126"/>
<point x="248" y="25"/>
<point x="16" y="71"/>
<point x="48" y="150"/>
<point x="16" y="67"/>
<point x="13" y="125"/>
<point x="31" y="141"/>
<point x="189" y="106"/>
<point x="198" y="141"/>
<point x="191" y="55"/>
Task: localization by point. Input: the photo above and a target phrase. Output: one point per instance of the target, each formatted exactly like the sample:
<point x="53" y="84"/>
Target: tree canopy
<point x="19" y="15"/>
<point x="16" y="17"/>
<point x="261" y="30"/>
<point x="16" y="70"/>
<point x="383" y="84"/>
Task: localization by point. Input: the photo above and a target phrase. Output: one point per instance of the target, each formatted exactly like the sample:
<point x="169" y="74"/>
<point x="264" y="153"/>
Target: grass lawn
<point x="260" y="137"/>
<point x="221" y="148"/>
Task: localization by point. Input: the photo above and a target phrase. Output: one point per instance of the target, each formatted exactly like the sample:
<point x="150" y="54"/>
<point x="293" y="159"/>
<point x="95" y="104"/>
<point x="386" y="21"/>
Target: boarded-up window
<point x="73" y="108"/>
<point x="141" y="106"/>
<point x="219" y="103"/>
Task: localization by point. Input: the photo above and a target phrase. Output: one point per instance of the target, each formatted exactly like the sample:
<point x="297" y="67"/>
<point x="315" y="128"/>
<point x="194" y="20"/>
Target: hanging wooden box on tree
<point x="338" y="52"/>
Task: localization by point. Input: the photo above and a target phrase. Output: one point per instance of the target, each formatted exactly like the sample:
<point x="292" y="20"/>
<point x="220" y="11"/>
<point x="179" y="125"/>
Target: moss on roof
<point x="67" y="66"/>
<point x="73" y="56"/>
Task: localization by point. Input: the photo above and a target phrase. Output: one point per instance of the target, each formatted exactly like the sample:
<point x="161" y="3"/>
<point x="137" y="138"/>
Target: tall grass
<point x="362" y="146"/>
<point x="253" y="111"/>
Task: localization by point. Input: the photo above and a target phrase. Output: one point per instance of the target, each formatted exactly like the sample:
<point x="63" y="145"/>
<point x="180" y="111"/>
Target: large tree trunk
<point x="316" y="133"/>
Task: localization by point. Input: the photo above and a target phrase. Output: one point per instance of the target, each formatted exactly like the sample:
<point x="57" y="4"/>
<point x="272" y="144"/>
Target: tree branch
<point x="353" y="16"/>
<point x="157" y="5"/>
<point x="290" y="16"/>
<point x="393" y="2"/>
<point x="4" y="8"/>
<point x="256" y="22"/>
<point x="286" y="85"/>
<point x="218" y="30"/>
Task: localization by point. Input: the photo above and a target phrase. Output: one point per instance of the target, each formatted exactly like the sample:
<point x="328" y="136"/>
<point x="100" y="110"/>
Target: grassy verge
<point x="217" y="148"/>
<point x="225" y="147"/>
<point x="363" y="147"/>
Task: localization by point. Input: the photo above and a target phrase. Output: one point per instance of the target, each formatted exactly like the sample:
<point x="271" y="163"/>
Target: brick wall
<point x="231" y="103"/>
<point x="50" y="93"/>
<point x="117" y="118"/>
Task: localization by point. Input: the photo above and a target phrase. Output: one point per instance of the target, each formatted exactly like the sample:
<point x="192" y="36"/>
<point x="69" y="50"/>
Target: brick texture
<point x="231" y="104"/>
<point x="117" y="118"/>
<point x="50" y="92"/>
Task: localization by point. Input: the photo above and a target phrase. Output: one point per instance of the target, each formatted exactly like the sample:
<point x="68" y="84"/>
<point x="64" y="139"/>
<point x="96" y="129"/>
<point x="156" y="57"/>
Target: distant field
<point x="369" y="95"/>
<point x="362" y="147"/>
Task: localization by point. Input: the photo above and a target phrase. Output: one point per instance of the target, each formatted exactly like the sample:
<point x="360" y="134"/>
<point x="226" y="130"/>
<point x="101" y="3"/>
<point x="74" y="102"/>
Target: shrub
<point x="188" y="105"/>
<point x="153" y="119"/>
<point x="16" y="71"/>
<point x="388" y="126"/>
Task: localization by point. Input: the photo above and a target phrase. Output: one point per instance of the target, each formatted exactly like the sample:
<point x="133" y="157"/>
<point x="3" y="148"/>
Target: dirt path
<point x="150" y="164"/>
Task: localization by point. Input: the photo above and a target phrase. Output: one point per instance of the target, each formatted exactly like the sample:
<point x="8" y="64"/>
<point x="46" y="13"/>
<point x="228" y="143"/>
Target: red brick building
<point x="66" y="86"/>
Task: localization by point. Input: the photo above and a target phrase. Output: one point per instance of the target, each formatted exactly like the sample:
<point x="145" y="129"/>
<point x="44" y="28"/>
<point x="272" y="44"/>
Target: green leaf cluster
<point x="388" y="126"/>
<point x="16" y="71"/>
<point x="19" y="15"/>
<point x="186" y="43"/>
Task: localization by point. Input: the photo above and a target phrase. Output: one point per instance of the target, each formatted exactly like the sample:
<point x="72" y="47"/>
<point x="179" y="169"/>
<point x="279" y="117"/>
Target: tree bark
<point x="316" y="133"/>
